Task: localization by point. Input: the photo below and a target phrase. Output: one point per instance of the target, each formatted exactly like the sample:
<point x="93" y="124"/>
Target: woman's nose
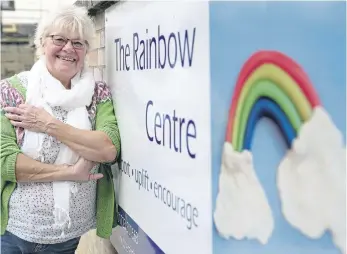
<point x="68" y="46"/>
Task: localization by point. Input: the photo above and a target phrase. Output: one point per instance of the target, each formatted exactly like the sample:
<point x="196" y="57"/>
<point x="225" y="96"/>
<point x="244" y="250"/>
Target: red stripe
<point x="278" y="59"/>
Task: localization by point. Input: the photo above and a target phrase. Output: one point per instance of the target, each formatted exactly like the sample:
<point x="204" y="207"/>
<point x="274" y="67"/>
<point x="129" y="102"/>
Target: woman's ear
<point x="42" y="42"/>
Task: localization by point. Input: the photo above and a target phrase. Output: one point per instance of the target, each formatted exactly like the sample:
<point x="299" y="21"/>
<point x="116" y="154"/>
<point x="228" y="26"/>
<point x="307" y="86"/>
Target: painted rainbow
<point x="273" y="85"/>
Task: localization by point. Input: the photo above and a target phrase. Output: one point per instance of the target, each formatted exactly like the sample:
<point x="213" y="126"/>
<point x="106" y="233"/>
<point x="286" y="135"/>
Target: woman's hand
<point x="81" y="171"/>
<point x="29" y="117"/>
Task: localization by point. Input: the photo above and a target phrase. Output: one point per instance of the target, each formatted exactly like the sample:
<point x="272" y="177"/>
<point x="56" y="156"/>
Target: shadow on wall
<point x="90" y="243"/>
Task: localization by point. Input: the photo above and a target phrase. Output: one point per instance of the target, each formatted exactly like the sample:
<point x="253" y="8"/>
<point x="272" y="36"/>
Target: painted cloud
<point x="242" y="209"/>
<point x="312" y="180"/>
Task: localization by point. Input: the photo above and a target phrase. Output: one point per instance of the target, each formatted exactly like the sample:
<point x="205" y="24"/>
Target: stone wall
<point x="16" y="58"/>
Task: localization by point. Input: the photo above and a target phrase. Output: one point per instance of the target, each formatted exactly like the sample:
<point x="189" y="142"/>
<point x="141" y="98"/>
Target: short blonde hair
<point x="71" y="19"/>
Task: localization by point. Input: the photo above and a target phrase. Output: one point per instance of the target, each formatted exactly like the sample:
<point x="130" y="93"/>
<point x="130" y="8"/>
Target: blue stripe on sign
<point x="133" y="239"/>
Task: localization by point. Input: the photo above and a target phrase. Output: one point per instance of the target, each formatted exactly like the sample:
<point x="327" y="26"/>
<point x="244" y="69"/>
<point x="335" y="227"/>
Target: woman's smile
<point x="66" y="59"/>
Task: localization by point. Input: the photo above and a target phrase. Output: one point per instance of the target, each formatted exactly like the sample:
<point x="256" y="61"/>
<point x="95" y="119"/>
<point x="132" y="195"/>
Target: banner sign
<point x="232" y="118"/>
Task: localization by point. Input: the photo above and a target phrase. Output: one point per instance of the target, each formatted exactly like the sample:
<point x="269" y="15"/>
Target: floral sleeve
<point x="10" y="137"/>
<point x="105" y="119"/>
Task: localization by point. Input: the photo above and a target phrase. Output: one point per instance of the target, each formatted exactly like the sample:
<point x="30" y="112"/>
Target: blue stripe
<point x="133" y="238"/>
<point x="265" y="107"/>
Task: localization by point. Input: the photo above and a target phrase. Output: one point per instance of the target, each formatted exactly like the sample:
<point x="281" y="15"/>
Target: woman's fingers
<point x="19" y="124"/>
<point x="14" y="117"/>
<point x="24" y="106"/>
<point x="82" y="170"/>
<point x="95" y="176"/>
<point x="29" y="117"/>
<point x="14" y="110"/>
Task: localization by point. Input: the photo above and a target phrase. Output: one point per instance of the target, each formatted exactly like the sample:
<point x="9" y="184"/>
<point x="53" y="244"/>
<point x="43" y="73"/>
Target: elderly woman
<point x="59" y="136"/>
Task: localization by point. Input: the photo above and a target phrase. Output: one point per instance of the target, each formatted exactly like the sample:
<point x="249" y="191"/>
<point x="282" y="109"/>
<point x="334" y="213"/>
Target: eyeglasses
<point x="62" y="41"/>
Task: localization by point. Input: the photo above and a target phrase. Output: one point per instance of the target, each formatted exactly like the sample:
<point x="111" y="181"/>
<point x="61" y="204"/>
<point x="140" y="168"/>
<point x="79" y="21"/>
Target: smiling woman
<point x="59" y="136"/>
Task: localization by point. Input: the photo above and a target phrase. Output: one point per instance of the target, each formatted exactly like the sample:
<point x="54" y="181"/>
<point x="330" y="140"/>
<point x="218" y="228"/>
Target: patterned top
<point x="31" y="204"/>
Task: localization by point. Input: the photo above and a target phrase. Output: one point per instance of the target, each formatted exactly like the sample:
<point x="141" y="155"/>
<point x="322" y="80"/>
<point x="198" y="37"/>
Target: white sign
<point x="203" y="171"/>
<point x="158" y="67"/>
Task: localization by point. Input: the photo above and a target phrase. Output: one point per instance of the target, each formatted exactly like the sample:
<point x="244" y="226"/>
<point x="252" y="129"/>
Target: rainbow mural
<point x="270" y="84"/>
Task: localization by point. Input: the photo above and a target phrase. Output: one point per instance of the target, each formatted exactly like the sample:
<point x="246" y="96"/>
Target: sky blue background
<point x="313" y="34"/>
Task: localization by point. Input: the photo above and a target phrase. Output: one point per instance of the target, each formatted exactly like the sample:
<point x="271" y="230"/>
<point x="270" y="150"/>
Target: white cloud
<point x="312" y="180"/>
<point x="242" y="209"/>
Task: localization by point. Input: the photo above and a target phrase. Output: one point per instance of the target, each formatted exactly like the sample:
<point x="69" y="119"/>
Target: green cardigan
<point x="101" y="113"/>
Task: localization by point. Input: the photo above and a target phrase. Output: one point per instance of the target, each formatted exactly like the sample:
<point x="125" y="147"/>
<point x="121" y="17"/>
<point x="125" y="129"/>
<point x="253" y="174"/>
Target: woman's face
<point x="64" y="55"/>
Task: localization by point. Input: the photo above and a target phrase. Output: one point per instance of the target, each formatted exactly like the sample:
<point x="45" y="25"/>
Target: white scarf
<point x="45" y="91"/>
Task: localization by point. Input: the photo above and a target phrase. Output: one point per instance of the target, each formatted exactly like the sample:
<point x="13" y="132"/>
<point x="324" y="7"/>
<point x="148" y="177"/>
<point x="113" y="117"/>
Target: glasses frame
<point x="85" y="44"/>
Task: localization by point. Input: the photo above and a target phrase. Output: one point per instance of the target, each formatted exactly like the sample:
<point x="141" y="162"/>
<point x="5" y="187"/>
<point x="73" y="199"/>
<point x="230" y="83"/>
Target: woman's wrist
<point x="65" y="173"/>
<point x="52" y="125"/>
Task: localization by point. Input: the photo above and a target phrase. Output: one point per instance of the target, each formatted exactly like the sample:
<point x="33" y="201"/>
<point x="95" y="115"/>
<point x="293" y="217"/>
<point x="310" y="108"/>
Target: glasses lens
<point x="78" y="44"/>
<point x="62" y="41"/>
<point x="59" y="40"/>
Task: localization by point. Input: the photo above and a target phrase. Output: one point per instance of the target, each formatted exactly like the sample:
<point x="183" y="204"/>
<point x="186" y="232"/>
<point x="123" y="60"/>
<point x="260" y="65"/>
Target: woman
<point x="59" y="136"/>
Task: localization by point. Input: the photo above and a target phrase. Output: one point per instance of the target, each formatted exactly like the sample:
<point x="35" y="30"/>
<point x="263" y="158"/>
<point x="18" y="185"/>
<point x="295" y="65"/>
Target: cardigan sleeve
<point x="105" y="119"/>
<point x="9" y="96"/>
<point x="9" y="150"/>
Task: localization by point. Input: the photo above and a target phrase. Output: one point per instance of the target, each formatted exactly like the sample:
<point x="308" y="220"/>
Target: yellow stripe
<point x="284" y="82"/>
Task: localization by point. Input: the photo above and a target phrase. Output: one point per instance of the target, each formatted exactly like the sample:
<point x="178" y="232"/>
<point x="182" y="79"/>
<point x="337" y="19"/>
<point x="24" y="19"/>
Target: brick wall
<point x="96" y="55"/>
<point x="90" y="243"/>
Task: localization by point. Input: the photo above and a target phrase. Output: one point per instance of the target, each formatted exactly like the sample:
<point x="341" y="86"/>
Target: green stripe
<point x="265" y="88"/>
